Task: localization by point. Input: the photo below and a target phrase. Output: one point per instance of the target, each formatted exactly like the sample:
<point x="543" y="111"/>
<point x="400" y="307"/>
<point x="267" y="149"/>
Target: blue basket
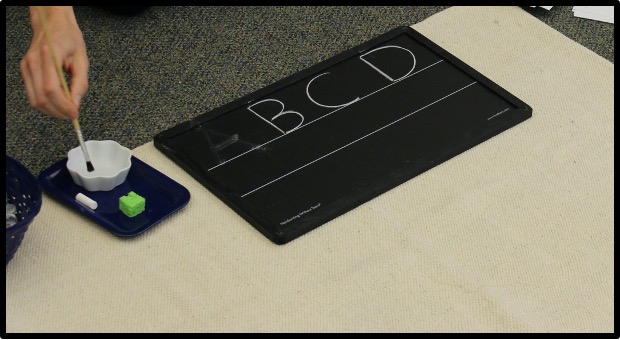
<point x="24" y="192"/>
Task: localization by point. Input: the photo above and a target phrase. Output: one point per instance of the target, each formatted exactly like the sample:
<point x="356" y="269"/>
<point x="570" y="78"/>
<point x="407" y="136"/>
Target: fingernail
<point x="77" y="99"/>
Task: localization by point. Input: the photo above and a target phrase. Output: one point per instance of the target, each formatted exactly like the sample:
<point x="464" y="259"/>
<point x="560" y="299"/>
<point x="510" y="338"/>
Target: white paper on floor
<point x="600" y="13"/>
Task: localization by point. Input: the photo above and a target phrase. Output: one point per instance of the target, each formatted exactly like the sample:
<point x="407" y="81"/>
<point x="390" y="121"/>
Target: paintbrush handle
<point x="63" y="81"/>
<point x="76" y="125"/>
<point x="83" y="146"/>
<point x="61" y="75"/>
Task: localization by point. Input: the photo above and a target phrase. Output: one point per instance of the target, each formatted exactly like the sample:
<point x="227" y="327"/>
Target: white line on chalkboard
<point x="327" y="114"/>
<point x="278" y="115"/>
<point x="323" y="105"/>
<point x="355" y="141"/>
<point x="370" y="94"/>
<point x="499" y="113"/>
<point x="381" y="72"/>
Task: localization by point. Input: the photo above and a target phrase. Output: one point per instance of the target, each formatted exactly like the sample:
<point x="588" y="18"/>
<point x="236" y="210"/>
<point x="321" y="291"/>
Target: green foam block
<point x="132" y="204"/>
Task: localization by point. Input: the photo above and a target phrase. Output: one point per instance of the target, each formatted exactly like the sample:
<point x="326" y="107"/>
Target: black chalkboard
<point x="302" y="151"/>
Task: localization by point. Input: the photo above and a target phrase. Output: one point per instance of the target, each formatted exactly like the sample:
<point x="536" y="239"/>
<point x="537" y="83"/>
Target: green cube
<point x="132" y="204"/>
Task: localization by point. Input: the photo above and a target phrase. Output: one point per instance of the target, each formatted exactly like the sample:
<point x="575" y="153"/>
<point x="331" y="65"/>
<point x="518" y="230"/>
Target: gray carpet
<point x="170" y="64"/>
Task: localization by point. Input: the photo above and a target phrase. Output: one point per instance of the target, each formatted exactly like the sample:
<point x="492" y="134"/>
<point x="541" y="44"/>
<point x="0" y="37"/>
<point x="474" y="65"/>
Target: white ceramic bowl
<point x="111" y="161"/>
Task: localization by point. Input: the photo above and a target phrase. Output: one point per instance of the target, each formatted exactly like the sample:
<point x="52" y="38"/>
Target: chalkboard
<point x="304" y="150"/>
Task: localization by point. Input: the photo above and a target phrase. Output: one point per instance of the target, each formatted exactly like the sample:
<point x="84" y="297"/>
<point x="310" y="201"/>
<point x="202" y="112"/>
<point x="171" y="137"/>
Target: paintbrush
<point x="63" y="81"/>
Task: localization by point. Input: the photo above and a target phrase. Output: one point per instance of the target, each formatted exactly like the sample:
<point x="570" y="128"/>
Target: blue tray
<point x="163" y="197"/>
